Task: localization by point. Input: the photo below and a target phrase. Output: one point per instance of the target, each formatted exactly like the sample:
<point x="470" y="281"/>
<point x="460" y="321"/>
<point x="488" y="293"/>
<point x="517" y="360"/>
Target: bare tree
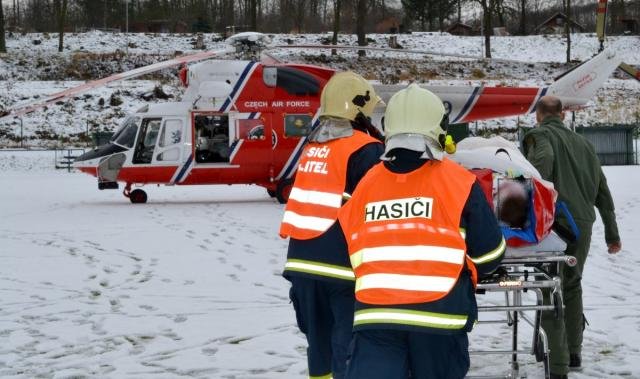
<point x="361" y="16"/>
<point x="523" y="15"/>
<point x="61" y="12"/>
<point x="487" y="12"/>
<point x="253" y="14"/>
<point x="567" y="28"/>
<point x="3" y="46"/>
<point x="336" y="23"/>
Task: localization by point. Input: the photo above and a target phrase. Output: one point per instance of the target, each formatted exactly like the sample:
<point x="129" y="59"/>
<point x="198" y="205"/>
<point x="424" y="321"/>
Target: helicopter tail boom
<point x="579" y="85"/>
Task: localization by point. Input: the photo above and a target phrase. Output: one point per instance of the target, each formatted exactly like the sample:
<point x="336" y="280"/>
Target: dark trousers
<point x="324" y="312"/>
<point x="397" y="354"/>
<point x="565" y="334"/>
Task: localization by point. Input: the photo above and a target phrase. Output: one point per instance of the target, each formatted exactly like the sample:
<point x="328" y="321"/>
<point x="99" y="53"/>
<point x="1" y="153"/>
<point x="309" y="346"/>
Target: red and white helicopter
<point x="245" y="122"/>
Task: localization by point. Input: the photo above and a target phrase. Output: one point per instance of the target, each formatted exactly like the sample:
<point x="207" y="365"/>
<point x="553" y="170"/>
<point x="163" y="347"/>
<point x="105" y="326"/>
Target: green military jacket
<point x="569" y="161"/>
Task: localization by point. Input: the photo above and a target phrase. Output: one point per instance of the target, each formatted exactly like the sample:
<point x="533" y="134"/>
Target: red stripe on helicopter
<point x="146" y="174"/>
<point x="495" y="102"/>
<point x="89" y="170"/>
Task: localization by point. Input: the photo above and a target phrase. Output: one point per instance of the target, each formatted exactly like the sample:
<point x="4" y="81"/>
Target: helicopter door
<point x="212" y="138"/>
<point x="147" y="139"/>
<point x="169" y="146"/>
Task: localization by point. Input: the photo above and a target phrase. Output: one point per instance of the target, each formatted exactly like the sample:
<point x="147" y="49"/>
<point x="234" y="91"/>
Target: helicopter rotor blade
<point x="388" y="49"/>
<point x="601" y="26"/>
<point x="30" y="107"/>
<point x="267" y="58"/>
<point x="601" y="22"/>
<point x="632" y="71"/>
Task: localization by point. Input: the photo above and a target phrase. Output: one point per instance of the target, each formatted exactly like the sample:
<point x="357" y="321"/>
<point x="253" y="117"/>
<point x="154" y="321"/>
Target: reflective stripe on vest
<point x="403" y="232"/>
<point x="320" y="181"/>
<point x="318" y="268"/>
<point x="405" y="282"/>
<point x="328" y="376"/>
<point x="307" y="222"/>
<point x="409" y="317"/>
<point x="407" y="253"/>
<point x="316" y="197"/>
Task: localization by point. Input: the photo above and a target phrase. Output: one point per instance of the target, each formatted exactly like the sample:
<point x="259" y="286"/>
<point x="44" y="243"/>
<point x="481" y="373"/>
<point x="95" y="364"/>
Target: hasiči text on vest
<point x="399" y="209"/>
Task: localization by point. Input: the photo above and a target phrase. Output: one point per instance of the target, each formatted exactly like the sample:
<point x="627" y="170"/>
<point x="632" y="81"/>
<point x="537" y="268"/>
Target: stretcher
<point x="524" y="274"/>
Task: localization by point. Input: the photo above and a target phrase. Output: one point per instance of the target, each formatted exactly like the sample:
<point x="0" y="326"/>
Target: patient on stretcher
<point x="512" y="203"/>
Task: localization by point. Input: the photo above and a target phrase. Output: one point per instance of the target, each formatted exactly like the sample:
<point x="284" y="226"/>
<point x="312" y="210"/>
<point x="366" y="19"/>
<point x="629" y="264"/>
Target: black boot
<point x="575" y="361"/>
<point x="558" y="376"/>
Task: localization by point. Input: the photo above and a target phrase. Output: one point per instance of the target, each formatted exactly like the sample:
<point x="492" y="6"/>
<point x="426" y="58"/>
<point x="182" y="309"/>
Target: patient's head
<point x="512" y="204"/>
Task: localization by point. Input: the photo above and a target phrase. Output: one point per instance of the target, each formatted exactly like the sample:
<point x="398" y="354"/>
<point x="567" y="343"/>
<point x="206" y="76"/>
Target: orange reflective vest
<point x="319" y="186"/>
<point x="403" y="232"/>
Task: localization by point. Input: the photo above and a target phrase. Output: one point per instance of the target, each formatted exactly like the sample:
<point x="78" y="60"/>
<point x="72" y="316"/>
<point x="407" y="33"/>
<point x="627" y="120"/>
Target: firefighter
<point x="419" y="231"/>
<point x="338" y="154"/>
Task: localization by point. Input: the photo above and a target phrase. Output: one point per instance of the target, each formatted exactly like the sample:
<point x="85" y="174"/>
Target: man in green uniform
<point x="569" y="161"/>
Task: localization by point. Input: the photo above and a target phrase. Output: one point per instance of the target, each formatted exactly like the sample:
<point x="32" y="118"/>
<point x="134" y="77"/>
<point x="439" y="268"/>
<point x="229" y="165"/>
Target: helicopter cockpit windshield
<point x="126" y="135"/>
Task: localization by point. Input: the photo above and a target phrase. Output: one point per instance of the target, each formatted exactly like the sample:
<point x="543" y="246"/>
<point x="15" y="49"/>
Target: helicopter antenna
<point x="193" y="105"/>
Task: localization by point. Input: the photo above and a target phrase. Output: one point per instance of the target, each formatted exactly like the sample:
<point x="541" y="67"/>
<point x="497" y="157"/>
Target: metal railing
<point x="64" y="158"/>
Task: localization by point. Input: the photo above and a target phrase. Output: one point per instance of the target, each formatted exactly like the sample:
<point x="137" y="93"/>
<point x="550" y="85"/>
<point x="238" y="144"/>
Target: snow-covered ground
<point x="189" y="285"/>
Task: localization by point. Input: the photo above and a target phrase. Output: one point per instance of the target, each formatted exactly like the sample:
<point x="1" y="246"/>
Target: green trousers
<point x="565" y="334"/>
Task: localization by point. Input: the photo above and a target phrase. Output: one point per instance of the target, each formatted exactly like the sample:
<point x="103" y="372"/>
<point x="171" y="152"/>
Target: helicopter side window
<point x="171" y="133"/>
<point x="212" y="138"/>
<point x="297" y="125"/>
<point x="147" y="140"/>
<point x="126" y="136"/>
<point x="170" y="137"/>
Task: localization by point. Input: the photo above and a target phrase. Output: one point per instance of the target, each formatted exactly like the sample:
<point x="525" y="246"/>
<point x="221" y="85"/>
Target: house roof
<point x="559" y="15"/>
<point x="459" y="24"/>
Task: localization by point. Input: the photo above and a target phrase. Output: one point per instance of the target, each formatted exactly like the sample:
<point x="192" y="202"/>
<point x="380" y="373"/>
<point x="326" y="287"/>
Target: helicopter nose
<point x="101" y="151"/>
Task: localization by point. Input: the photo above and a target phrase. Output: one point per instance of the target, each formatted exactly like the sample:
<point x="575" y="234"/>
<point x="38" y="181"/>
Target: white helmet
<point x="412" y="121"/>
<point x="346" y="94"/>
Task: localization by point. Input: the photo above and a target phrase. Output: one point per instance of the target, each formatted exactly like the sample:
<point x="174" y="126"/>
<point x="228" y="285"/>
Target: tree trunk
<point x="336" y="23"/>
<point x="300" y="15"/>
<point x="253" y="15"/>
<point x="567" y="29"/>
<point x="60" y="12"/>
<point x="15" y="19"/>
<point x="3" y="46"/>
<point x="486" y="26"/>
<point x="523" y="15"/>
<point x="361" y="15"/>
<point x="499" y="10"/>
